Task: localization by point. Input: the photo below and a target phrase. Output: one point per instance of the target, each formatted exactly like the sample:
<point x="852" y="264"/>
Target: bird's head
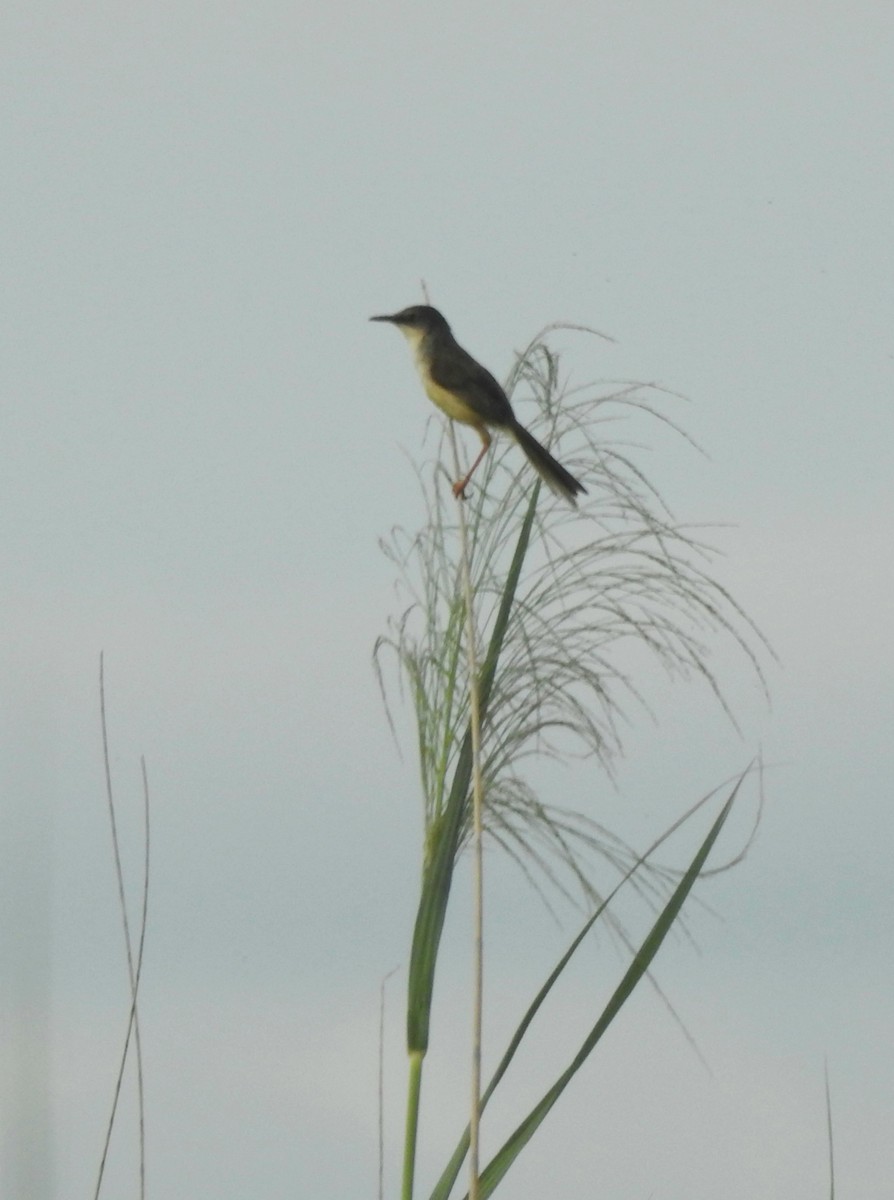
<point x="416" y="321"/>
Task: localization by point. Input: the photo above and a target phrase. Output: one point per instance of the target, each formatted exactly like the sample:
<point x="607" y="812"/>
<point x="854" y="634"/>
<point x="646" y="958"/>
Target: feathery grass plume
<point x="595" y="584"/>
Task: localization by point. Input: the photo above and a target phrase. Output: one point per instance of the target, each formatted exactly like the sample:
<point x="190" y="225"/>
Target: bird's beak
<point x="391" y="318"/>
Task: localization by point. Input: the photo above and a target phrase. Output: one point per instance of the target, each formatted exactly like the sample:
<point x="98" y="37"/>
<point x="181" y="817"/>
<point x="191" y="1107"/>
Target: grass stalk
<point x="477" y="839"/>
<point x="134" y="962"/>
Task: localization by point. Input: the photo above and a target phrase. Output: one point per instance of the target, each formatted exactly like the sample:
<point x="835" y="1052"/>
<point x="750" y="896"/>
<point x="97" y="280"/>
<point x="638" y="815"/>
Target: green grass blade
<point x="503" y="1160"/>
<point x="442" y="1189"/>
<point x="444" y="1185"/>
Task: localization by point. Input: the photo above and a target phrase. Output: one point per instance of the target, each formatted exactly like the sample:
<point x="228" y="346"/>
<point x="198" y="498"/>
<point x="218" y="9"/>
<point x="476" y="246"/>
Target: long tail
<point x="551" y="472"/>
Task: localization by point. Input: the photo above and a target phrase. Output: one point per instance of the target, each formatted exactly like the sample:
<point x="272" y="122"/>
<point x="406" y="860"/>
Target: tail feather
<point x="550" y="471"/>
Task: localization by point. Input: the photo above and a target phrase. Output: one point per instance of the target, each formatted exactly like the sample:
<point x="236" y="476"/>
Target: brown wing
<point x="459" y="373"/>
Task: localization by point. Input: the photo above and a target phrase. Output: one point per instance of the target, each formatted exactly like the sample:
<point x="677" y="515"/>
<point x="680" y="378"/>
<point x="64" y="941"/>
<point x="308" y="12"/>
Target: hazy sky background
<point x="203" y="440"/>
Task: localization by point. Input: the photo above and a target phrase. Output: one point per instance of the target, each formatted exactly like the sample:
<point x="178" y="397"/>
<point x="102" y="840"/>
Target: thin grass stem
<point x="134" y="967"/>
<point x="477" y="840"/>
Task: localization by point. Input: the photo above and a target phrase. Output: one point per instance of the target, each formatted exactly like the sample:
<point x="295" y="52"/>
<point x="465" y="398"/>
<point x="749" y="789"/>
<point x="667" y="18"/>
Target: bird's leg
<point x="459" y="489"/>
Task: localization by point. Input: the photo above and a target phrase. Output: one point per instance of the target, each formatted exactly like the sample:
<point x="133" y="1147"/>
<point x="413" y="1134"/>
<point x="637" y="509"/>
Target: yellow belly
<point x="451" y="404"/>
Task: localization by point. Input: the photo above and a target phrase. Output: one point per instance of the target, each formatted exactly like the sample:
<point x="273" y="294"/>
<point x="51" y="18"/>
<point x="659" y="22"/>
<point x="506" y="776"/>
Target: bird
<point x="467" y="392"/>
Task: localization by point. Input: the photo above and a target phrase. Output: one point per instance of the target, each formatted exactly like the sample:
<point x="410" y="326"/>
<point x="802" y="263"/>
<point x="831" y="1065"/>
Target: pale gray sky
<point x="203" y="440"/>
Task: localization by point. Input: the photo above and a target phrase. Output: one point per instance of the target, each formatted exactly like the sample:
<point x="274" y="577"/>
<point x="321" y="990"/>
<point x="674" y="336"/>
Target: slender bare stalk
<point x="134" y="966"/>
<point x="477" y="842"/>
<point x="829" y="1135"/>
<point x="136" y="980"/>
